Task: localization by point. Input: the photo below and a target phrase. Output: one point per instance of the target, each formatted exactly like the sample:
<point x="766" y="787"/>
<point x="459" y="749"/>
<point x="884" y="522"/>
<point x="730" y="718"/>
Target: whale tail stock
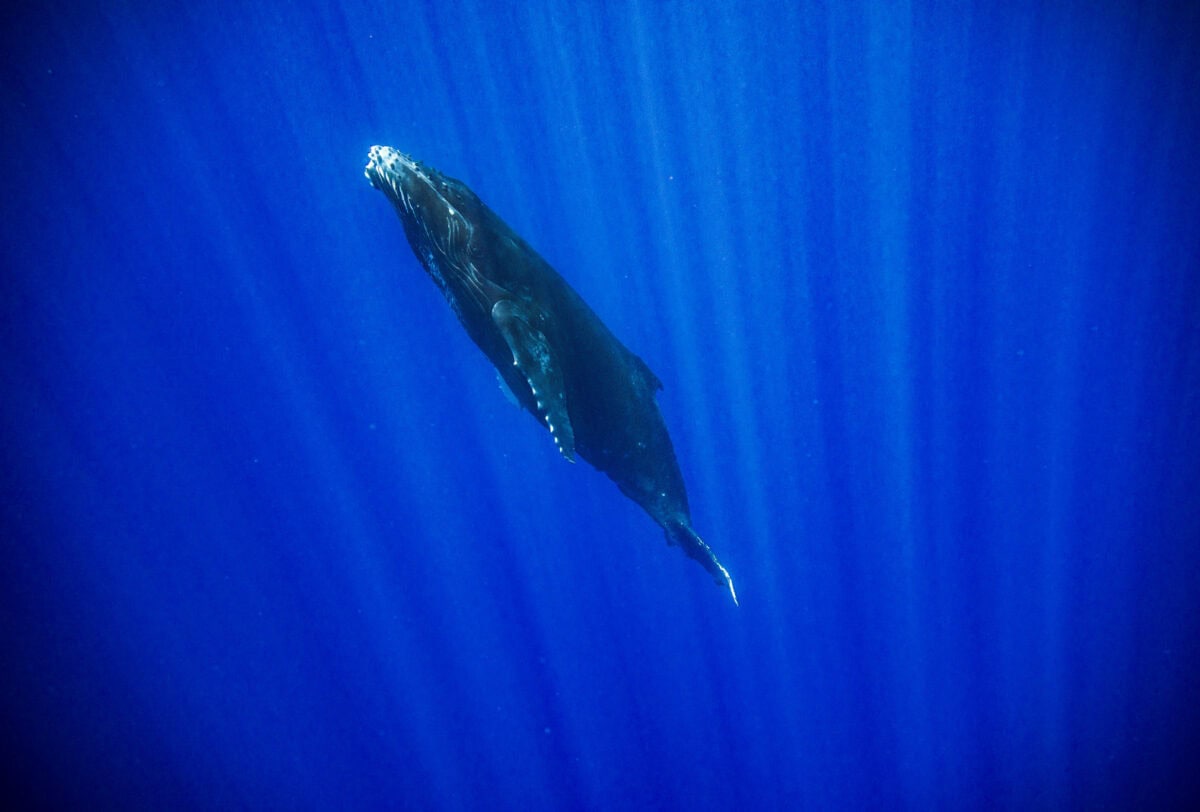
<point x="681" y="533"/>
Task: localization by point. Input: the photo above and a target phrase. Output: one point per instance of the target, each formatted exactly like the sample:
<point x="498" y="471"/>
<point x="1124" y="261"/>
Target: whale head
<point x="438" y="212"/>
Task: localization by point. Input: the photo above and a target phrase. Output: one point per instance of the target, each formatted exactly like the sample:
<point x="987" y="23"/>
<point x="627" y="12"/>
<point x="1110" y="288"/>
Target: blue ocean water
<point x="921" y="281"/>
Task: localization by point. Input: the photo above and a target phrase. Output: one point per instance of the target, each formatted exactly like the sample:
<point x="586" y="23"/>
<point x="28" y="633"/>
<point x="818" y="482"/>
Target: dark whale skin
<point x="565" y="367"/>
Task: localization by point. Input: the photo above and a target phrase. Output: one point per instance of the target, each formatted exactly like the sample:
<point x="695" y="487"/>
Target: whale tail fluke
<point x="681" y="533"/>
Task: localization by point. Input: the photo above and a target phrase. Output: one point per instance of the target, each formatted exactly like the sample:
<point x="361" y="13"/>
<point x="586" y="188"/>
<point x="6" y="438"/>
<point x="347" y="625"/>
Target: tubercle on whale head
<point x="389" y="170"/>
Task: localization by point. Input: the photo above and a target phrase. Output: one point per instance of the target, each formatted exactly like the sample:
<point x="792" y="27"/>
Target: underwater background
<point x="921" y="281"/>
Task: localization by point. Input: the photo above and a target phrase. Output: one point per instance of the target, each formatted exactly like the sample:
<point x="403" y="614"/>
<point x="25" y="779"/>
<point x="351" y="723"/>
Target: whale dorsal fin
<point x="534" y="357"/>
<point x="649" y="379"/>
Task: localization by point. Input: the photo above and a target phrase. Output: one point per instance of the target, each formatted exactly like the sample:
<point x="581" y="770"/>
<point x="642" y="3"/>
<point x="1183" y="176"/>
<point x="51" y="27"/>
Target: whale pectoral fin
<point x="533" y="356"/>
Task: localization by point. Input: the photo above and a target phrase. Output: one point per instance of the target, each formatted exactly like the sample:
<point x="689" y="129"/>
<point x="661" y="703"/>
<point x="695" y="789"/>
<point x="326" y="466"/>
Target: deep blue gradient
<point x="921" y="281"/>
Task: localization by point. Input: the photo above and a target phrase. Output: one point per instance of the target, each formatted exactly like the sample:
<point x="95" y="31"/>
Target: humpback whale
<point x="563" y="365"/>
